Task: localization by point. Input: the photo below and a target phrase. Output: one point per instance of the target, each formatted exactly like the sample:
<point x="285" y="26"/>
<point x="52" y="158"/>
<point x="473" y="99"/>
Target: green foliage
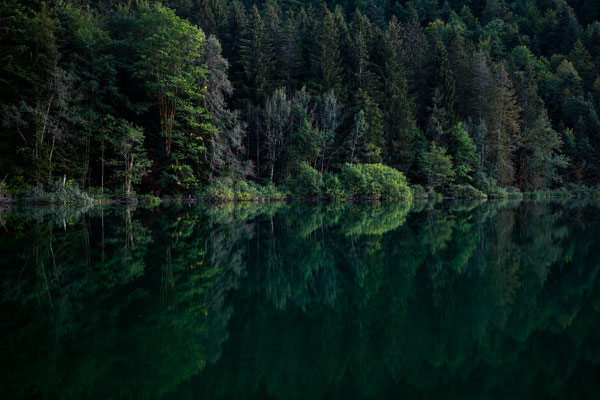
<point x="464" y="154"/>
<point x="305" y="183"/>
<point x="437" y="167"/>
<point x="133" y="164"/>
<point x="509" y="88"/>
<point x="419" y="192"/>
<point x="333" y="188"/>
<point x="4" y="196"/>
<point x="170" y="52"/>
<point x="150" y="200"/>
<point x="373" y="181"/>
<point x="58" y="192"/>
<point x="464" y="192"/>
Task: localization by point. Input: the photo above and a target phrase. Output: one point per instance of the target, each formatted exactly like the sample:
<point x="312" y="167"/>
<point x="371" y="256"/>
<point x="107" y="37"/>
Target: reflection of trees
<point x="363" y="300"/>
<point x="115" y="301"/>
<point x="456" y="300"/>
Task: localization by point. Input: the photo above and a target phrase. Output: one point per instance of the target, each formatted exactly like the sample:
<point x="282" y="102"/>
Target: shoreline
<point x="289" y="200"/>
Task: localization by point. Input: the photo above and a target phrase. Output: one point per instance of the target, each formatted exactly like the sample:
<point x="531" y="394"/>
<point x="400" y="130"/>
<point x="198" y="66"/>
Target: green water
<point x="423" y="300"/>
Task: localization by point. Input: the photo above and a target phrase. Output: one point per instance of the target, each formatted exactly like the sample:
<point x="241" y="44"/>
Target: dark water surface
<point x="424" y="300"/>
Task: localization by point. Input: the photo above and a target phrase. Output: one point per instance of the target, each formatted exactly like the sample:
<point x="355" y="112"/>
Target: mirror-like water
<point x="423" y="300"/>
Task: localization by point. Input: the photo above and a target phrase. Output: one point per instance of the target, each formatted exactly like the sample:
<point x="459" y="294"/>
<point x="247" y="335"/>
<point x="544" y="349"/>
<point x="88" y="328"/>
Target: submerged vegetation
<point x="266" y="100"/>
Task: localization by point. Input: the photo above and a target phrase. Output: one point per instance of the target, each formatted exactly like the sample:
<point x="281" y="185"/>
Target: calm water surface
<point x="359" y="301"/>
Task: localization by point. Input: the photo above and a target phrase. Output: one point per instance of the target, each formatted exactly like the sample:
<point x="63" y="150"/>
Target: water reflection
<point x="483" y="299"/>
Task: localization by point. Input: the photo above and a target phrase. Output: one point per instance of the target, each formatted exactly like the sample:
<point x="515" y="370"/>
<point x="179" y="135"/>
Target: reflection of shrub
<point x="464" y="191"/>
<point x="374" y="181"/>
<point x="58" y="193"/>
<point x="150" y="200"/>
<point x="227" y="190"/>
<point x="374" y="220"/>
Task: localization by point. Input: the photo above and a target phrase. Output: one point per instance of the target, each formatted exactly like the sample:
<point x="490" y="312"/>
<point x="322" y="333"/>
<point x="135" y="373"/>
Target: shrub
<point x="419" y="192"/>
<point x="244" y="191"/>
<point x="513" y="193"/>
<point x="217" y="191"/>
<point x="4" y="196"/>
<point x="306" y="184"/>
<point x="465" y="191"/>
<point x="333" y="188"/>
<point x="271" y="192"/>
<point x="373" y="181"/>
<point x="58" y="192"/>
<point x="578" y="190"/>
<point x="150" y="200"/>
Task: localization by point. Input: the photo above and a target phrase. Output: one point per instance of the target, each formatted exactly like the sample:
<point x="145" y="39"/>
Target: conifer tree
<point x="373" y="133"/>
<point x="503" y="126"/>
<point x="257" y="58"/>
<point x="290" y="52"/>
<point x="326" y="60"/>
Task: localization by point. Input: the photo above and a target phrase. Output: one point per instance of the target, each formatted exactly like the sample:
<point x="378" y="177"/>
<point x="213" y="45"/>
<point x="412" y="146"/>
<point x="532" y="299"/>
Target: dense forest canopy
<point x="169" y="96"/>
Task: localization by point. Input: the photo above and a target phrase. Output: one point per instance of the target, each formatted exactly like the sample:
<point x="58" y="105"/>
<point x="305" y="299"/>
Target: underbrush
<point x="58" y="192"/>
<point x="464" y="192"/>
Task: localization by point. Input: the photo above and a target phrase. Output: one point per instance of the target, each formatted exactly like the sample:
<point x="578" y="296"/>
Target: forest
<point x="314" y="99"/>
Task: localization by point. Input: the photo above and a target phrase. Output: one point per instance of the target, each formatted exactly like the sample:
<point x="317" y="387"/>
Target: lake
<point x="453" y="299"/>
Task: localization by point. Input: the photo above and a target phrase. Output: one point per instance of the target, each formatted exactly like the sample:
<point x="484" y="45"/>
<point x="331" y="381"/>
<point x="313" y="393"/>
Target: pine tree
<point x="460" y="62"/>
<point x="399" y="122"/>
<point x="442" y="92"/>
<point x="273" y="34"/>
<point x="374" y="134"/>
<point x="582" y="61"/>
<point x="503" y="126"/>
<point x="326" y="60"/>
<point x="360" y="73"/>
<point x="290" y="53"/>
<point x="257" y="59"/>
<point x="413" y="52"/>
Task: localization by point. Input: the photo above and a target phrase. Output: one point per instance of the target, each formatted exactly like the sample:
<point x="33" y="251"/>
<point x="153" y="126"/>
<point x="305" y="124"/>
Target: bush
<point x="306" y="184"/>
<point x="58" y="192"/>
<point x="333" y="188"/>
<point x="150" y="200"/>
<point x="513" y="193"/>
<point x="465" y="191"/>
<point x="374" y="181"/>
<point x="227" y="190"/>
<point x="218" y="191"/>
<point x="271" y="192"/>
<point x="578" y="190"/>
<point x="419" y="192"/>
<point x="4" y="196"/>
<point x="244" y="191"/>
